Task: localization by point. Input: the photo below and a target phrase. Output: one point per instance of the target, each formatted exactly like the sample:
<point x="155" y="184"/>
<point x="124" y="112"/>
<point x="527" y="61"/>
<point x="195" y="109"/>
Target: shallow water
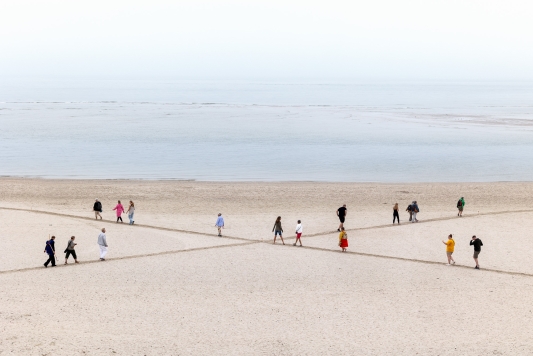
<point x="268" y="131"/>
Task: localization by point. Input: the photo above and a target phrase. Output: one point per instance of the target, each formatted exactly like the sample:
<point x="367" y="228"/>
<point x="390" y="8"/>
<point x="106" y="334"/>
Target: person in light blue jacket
<point x="220" y="224"/>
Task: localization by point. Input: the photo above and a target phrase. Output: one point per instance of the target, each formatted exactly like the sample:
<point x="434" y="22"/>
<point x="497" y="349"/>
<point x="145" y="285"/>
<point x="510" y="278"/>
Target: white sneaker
<point x="447" y="264"/>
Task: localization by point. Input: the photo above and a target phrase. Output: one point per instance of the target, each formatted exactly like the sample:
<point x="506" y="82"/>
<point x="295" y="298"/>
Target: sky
<point x="231" y="39"/>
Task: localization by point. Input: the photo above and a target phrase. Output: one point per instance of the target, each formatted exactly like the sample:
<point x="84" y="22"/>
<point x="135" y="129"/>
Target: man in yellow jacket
<point x="450" y="246"/>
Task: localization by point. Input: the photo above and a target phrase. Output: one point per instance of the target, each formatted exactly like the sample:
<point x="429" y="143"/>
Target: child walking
<point x="299" y="230"/>
<point x="343" y="240"/>
<point x="450" y="246"/>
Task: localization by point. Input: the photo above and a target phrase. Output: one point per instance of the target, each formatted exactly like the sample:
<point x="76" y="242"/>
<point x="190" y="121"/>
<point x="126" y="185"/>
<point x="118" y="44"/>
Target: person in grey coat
<point x="102" y="244"/>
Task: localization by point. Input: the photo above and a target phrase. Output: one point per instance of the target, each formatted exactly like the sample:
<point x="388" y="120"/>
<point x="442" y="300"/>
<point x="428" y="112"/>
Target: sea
<point x="266" y="130"/>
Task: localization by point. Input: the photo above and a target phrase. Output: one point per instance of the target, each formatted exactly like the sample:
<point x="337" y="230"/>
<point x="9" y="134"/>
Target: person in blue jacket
<point x="50" y="249"/>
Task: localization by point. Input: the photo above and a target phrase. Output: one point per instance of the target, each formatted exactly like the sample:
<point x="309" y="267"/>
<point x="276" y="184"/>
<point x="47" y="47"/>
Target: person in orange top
<point x="450" y="246"/>
<point x="343" y="239"/>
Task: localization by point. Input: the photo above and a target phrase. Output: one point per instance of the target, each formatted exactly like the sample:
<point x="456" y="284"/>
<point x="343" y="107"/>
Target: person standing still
<point x="450" y="246"/>
<point x="416" y="210"/>
<point x="341" y="213"/>
<point x="460" y="206"/>
<point x="131" y="212"/>
<point x="97" y="208"/>
<point x="278" y="230"/>
<point x="410" y="210"/>
<point x="395" y="214"/>
<point x="220" y="224"/>
<point x="50" y="249"/>
<point x="120" y="209"/>
<point x="102" y="244"/>
<point x="477" y="243"/>
<point x="299" y="231"/>
<point x="70" y="250"/>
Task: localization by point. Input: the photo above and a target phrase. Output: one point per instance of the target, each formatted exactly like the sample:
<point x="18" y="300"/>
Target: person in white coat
<point x="299" y="231"/>
<point x="102" y="244"/>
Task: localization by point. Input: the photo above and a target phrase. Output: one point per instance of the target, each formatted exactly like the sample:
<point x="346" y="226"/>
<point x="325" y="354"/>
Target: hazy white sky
<point x="430" y="39"/>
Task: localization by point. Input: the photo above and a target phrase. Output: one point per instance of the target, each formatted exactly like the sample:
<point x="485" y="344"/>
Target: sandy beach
<point x="170" y="286"/>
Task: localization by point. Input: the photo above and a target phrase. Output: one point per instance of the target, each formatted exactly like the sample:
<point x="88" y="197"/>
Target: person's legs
<point x="98" y="215"/>
<point x="67" y="256"/>
<point x="48" y="260"/>
<point x="74" y="255"/>
<point x="476" y="255"/>
<point x="95" y="215"/>
<point x="219" y="231"/>
<point x="281" y="237"/>
<point x="414" y="217"/>
<point x="120" y="218"/>
<point x="103" y="252"/>
<point x="410" y="216"/>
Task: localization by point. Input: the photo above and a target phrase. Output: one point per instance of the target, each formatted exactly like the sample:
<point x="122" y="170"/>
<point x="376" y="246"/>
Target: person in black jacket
<point x="477" y="243"/>
<point x="50" y="250"/>
<point x="97" y="208"/>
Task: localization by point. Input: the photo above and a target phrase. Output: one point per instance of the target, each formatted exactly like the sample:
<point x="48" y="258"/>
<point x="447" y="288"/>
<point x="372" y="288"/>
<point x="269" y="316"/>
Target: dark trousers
<point x="395" y="216"/>
<point x="51" y="258"/>
<point x="71" y="252"/>
<point x="119" y="218"/>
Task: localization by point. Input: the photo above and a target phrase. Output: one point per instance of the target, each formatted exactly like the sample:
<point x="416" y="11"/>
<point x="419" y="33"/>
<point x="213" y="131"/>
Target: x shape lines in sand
<point x="251" y="241"/>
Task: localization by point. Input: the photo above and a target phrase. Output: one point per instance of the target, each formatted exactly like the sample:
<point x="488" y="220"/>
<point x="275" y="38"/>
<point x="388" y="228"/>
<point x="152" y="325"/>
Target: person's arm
<point x="480" y="243"/>
<point x="337" y="212"/>
<point x="346" y="212"/>
<point x="471" y="242"/>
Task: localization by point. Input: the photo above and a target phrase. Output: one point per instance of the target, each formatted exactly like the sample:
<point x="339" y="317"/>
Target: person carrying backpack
<point x="410" y="210"/>
<point x="460" y="206"/>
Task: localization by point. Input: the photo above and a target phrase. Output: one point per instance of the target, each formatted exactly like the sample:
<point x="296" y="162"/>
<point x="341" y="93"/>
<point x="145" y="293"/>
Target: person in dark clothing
<point x="51" y="251"/>
<point x="341" y="213"/>
<point x="395" y="214"/>
<point x="70" y="250"/>
<point x="410" y="210"/>
<point x="97" y="208"/>
<point x="477" y="243"/>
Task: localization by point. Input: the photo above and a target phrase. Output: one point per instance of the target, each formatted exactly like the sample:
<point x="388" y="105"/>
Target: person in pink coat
<point x="119" y="209"/>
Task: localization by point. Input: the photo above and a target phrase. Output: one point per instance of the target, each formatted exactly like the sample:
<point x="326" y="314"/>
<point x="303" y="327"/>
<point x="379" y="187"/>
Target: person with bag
<point x="410" y="210"/>
<point x="415" y="210"/>
<point x="70" y="250"/>
<point x="343" y="240"/>
<point x="51" y="251"/>
<point x="460" y="206"/>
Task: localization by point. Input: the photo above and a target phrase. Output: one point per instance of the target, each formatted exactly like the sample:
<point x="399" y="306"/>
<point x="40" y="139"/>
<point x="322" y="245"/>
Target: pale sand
<point x="165" y="292"/>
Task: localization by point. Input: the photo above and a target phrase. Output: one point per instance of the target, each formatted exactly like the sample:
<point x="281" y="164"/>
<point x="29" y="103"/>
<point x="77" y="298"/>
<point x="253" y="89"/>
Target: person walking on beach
<point x="102" y="244"/>
<point x="450" y="246"/>
<point x="410" y="210"/>
<point x="97" y="208"/>
<point x="131" y="212"/>
<point x="70" y="250"/>
<point x="120" y="209"/>
<point x="220" y="224"/>
<point x="50" y="249"/>
<point x="477" y="243"/>
<point x="341" y="213"/>
<point x="343" y="240"/>
<point x="395" y="214"/>
<point x="415" y="210"/>
<point x="278" y="230"/>
<point x="460" y="206"/>
<point x="299" y="231"/>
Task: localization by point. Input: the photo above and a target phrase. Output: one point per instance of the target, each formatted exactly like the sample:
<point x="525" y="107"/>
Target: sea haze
<point x="267" y="130"/>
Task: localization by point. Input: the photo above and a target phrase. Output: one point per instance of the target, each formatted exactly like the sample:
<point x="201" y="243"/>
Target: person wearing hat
<point x="220" y="224"/>
<point x="97" y="208"/>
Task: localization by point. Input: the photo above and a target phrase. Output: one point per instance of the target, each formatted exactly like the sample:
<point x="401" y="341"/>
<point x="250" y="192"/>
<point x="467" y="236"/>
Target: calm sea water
<point x="267" y="130"/>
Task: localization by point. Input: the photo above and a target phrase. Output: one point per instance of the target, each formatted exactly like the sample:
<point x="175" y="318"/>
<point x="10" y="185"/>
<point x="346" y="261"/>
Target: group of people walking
<point x="277" y="229"/>
<point x="119" y="209"/>
<point x="70" y="250"/>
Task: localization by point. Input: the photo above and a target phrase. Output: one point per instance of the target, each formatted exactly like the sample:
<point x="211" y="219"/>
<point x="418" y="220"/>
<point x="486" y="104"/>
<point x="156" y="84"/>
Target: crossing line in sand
<point x="133" y="257"/>
<point x="251" y="241"/>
